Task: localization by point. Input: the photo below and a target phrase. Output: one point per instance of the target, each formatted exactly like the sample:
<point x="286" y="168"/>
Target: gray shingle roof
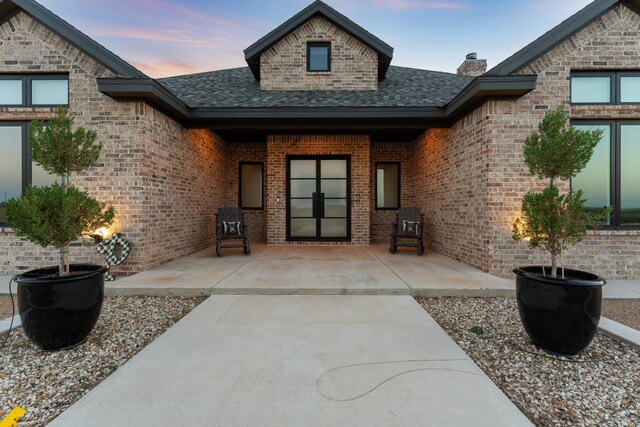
<point x="236" y="87"/>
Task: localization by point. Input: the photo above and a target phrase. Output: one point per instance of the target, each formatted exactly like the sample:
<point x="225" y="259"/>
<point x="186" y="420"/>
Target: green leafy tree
<point x="56" y="215"/>
<point x="550" y="219"/>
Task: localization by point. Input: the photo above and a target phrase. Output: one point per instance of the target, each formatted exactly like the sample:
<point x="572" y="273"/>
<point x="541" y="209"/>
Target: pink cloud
<point x="172" y="67"/>
<point x="160" y="35"/>
<point x="174" y="8"/>
<point x="422" y="4"/>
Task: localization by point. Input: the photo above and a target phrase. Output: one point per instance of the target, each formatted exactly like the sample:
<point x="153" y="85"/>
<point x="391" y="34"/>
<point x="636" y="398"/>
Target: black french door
<point x="318" y="198"/>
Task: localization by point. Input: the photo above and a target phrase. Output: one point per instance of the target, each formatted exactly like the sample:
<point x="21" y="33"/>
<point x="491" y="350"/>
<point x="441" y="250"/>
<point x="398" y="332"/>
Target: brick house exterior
<point x="173" y="147"/>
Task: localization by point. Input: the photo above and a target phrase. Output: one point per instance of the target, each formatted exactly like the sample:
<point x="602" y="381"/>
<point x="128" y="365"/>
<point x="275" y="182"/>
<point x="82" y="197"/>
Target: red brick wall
<point x="279" y="146"/>
<point x="450" y="186"/>
<point x="247" y="152"/>
<point x="400" y="152"/>
<point x="184" y="171"/>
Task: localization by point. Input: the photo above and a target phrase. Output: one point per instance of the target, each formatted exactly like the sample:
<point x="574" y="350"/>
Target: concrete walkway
<point x="299" y="361"/>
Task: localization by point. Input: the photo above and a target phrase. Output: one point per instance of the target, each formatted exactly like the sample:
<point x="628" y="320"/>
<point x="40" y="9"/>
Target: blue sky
<point x="170" y="37"/>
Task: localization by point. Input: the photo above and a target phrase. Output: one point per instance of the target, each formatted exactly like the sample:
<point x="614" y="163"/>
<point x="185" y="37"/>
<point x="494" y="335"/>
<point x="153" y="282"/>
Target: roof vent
<point x="472" y="66"/>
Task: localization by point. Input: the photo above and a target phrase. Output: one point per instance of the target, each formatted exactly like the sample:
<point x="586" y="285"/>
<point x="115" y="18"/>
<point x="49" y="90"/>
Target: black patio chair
<point x="408" y="227"/>
<point x="230" y="226"/>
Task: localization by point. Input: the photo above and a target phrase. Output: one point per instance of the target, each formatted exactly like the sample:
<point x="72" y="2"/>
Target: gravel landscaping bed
<point x="626" y="312"/>
<point x="45" y="384"/>
<point x="5" y="306"/>
<point x="600" y="386"/>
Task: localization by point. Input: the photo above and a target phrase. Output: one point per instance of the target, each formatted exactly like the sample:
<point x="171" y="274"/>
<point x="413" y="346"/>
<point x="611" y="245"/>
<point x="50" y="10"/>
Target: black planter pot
<point x="59" y="312"/>
<point x="560" y="315"/>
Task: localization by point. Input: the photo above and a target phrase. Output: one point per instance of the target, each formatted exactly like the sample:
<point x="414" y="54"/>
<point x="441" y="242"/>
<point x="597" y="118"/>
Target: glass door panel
<point x="333" y="169"/>
<point x="332" y="227"/>
<point x="318" y="204"/>
<point x="303" y="227"/>
<point x="303" y="169"/>
<point x="302" y="187"/>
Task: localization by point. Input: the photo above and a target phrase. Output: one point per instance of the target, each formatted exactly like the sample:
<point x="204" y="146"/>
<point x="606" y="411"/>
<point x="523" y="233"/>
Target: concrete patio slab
<point x="323" y="270"/>
<point x="299" y="360"/>
<point x="434" y="274"/>
<point x="192" y="275"/>
<point x="314" y="270"/>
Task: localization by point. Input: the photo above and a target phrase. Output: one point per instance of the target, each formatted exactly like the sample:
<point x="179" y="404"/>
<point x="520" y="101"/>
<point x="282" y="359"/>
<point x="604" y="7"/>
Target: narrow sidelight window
<point x="318" y="56"/>
<point x="11" y="170"/>
<point x="595" y="179"/>
<point x="17" y="169"/>
<point x="251" y="185"/>
<point x="387" y="185"/>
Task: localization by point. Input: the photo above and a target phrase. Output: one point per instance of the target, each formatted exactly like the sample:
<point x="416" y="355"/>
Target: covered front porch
<point x="313" y="270"/>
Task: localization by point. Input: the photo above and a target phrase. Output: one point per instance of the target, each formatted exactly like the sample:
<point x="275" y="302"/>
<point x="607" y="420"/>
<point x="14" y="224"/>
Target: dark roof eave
<point x="8" y="8"/>
<point x="485" y="87"/>
<point x="146" y="89"/>
<point x="253" y="52"/>
<point x="480" y="89"/>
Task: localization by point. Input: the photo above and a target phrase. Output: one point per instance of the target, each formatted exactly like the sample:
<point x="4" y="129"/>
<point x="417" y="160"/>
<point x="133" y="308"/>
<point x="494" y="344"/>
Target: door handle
<point x="321" y="203"/>
<point x="314" y="205"/>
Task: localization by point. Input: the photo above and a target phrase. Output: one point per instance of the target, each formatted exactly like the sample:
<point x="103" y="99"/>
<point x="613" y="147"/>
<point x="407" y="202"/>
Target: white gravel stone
<point x="599" y="387"/>
<point x="45" y="384"/>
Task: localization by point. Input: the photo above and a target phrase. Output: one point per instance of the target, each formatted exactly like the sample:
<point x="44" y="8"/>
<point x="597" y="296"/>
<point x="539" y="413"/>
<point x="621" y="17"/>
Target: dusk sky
<point x="170" y="37"/>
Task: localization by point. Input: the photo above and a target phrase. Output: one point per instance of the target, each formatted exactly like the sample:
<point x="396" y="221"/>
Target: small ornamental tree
<point x="56" y="215"/>
<point x="550" y="219"/>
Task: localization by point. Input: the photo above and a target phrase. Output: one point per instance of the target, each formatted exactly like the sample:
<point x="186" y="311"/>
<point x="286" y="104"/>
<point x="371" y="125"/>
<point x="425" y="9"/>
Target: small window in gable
<point x="318" y="56"/>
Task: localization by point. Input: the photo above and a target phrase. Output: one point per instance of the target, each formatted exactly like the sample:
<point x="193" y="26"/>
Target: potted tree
<point x="559" y="307"/>
<point x="60" y="305"/>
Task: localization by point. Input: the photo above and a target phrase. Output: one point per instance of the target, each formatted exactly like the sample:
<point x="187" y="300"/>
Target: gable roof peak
<point x="9" y="8"/>
<point x="319" y="8"/>
<point x="558" y="34"/>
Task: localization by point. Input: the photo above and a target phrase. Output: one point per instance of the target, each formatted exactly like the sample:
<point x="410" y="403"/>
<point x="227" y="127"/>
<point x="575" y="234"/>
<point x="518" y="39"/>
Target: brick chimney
<point x="472" y="66"/>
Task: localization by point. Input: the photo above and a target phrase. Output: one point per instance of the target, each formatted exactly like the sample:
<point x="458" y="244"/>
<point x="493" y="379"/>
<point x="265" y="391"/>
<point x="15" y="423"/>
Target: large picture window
<point x="34" y="90"/>
<point x="612" y="176"/>
<point x="605" y="87"/>
<point x="387" y="185"/>
<point x="251" y="178"/>
<point x="17" y="170"/>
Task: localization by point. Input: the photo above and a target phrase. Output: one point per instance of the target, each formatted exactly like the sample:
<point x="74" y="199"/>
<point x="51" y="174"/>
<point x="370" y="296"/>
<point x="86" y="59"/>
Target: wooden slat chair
<point x="236" y="229"/>
<point x="409" y="227"/>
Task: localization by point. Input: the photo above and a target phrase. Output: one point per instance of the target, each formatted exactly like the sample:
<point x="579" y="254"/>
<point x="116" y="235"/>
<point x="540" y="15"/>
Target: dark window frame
<point x="20" y="78"/>
<point x="261" y="164"/>
<point x="318" y="158"/>
<point x="25" y="155"/>
<point x="619" y="86"/>
<point x="27" y="92"/>
<point x="376" y="186"/>
<point x="615" y="171"/>
<point x="615" y="89"/>
<point x="318" y="44"/>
